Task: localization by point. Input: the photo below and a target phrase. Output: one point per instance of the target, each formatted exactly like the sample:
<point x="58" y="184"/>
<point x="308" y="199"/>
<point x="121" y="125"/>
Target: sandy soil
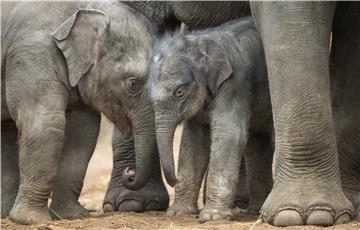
<point x="96" y="180"/>
<point x="157" y="220"/>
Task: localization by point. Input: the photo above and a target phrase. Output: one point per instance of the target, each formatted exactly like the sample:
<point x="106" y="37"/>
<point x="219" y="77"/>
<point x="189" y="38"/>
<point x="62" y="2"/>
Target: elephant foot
<point x="320" y="204"/>
<point x="253" y="210"/>
<point x="7" y="202"/>
<point x="149" y="198"/>
<point x="68" y="210"/>
<point x="254" y="207"/>
<point x="242" y="202"/>
<point x="180" y="209"/>
<point x="211" y="214"/>
<point x="26" y="214"/>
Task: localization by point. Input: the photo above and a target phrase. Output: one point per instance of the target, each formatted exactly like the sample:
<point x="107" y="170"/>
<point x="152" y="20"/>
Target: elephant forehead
<point x="160" y="89"/>
<point x="136" y="65"/>
<point x="175" y="68"/>
<point x="160" y="94"/>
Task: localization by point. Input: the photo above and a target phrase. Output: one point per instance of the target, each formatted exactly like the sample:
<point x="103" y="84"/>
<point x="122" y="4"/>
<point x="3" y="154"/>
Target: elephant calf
<point x="63" y="64"/>
<point x="215" y="81"/>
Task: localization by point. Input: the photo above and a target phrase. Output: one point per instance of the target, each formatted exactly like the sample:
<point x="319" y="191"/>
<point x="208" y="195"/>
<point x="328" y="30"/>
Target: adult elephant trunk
<point x="145" y="148"/>
<point x="165" y="125"/>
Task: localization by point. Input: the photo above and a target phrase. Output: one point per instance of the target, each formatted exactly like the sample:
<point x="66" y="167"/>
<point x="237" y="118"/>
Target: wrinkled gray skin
<point x="262" y="186"/>
<point x="59" y="70"/>
<point x="196" y="14"/>
<point x="315" y="98"/>
<point x="118" y="198"/>
<point x="167" y="16"/>
<point x="161" y="12"/>
<point x="153" y="196"/>
<point x="215" y="82"/>
<point x="204" y="14"/>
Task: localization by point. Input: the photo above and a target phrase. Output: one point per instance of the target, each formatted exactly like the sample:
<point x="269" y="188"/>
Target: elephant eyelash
<point x="181" y="92"/>
<point x="134" y="85"/>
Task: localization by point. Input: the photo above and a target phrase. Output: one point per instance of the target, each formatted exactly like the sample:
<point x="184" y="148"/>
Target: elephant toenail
<point x="217" y="217"/>
<point x="205" y="217"/>
<point x="252" y="212"/>
<point x="170" y="213"/>
<point x="180" y="213"/>
<point x="288" y="218"/>
<point x="343" y="218"/>
<point x="320" y="217"/>
<point x="107" y="207"/>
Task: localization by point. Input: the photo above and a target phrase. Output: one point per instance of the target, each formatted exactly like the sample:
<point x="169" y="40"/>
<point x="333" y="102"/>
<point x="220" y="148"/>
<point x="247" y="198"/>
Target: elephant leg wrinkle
<point x="307" y="184"/>
<point x="81" y="132"/>
<point x="152" y="197"/>
<point x="194" y="147"/>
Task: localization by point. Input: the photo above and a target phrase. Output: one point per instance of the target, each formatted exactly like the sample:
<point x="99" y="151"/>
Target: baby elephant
<point x="215" y="81"/>
<point x="63" y="64"/>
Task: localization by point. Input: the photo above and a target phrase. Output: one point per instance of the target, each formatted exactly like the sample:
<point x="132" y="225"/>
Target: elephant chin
<point x="124" y="124"/>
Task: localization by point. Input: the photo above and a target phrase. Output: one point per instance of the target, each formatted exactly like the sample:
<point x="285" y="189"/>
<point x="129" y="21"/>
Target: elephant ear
<point x="215" y="63"/>
<point x="78" y="38"/>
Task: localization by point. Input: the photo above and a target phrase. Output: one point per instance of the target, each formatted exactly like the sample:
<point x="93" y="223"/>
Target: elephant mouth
<point x="124" y="124"/>
<point x="128" y="131"/>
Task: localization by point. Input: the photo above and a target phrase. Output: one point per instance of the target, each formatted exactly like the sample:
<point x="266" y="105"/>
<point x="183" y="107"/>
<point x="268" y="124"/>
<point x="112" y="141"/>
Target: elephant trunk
<point x="165" y="127"/>
<point x="145" y="148"/>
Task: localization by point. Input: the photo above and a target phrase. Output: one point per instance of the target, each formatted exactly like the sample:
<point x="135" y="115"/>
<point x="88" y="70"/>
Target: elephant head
<point x="185" y="73"/>
<point x="107" y="60"/>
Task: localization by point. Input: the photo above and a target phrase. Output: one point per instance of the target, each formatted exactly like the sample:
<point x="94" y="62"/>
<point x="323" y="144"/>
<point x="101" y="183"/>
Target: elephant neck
<point x="86" y="93"/>
<point x="75" y="98"/>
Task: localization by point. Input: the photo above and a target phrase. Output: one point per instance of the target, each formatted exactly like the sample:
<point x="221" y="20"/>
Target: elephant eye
<point x="133" y="85"/>
<point x="180" y="93"/>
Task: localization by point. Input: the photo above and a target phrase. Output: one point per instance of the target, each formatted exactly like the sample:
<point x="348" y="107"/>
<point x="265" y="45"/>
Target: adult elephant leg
<point x="153" y="196"/>
<point x="242" y="196"/>
<point x="81" y="132"/>
<point x="345" y="85"/>
<point x="193" y="161"/>
<point x="259" y="169"/>
<point x="307" y="187"/>
<point x="9" y="166"/>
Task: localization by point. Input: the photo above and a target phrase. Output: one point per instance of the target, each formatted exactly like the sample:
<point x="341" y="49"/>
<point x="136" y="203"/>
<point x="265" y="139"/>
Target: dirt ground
<point x="97" y="178"/>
